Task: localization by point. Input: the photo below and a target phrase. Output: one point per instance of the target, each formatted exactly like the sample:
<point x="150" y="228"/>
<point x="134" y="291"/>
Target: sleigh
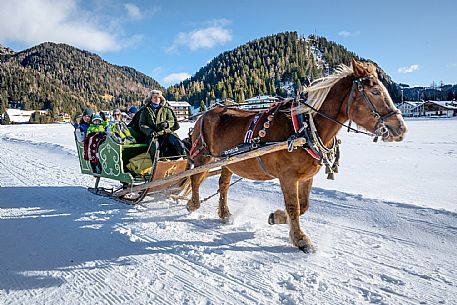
<point x="113" y="159"/>
<point x="169" y="177"/>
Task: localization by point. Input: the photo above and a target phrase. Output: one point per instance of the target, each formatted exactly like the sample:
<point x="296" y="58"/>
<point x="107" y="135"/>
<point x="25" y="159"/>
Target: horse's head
<point x="370" y="105"/>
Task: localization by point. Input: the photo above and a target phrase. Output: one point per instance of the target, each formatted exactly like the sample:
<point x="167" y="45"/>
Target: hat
<point x="96" y="117"/>
<point x="116" y="111"/>
<point x="88" y="111"/>
<point x="154" y="93"/>
<point x="133" y="109"/>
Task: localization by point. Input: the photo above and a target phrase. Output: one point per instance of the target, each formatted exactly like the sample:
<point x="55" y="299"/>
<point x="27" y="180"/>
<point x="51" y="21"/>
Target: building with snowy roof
<point x="412" y="109"/>
<point x="428" y="108"/>
<point x="440" y="108"/>
<point x="181" y="109"/>
<point x="18" y="115"/>
<point x="259" y="103"/>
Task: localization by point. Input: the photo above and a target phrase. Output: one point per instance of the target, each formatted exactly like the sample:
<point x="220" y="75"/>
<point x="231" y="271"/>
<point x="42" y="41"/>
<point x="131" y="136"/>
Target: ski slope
<point x="385" y="231"/>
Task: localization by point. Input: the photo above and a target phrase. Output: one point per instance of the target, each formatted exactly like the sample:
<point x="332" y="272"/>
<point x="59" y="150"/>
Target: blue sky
<point x="414" y="42"/>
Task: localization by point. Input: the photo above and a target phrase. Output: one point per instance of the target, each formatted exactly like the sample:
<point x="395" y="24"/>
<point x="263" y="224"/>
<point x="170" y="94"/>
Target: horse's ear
<point x="358" y="69"/>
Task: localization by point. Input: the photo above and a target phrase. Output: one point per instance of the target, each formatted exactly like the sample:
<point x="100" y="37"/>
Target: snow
<point x="385" y="230"/>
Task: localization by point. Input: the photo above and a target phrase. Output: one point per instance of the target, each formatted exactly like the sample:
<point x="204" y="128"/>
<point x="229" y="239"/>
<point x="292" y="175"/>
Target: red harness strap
<point x="312" y="154"/>
<point x="294" y="117"/>
<point x="194" y="151"/>
<point x="255" y="120"/>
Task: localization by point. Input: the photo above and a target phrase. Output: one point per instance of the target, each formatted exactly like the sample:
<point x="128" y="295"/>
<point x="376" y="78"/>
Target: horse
<point x="350" y="94"/>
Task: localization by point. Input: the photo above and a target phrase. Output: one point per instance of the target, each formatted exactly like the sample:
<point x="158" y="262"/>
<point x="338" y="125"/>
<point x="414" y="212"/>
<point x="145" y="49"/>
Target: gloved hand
<point x="153" y="135"/>
<point x="163" y="125"/>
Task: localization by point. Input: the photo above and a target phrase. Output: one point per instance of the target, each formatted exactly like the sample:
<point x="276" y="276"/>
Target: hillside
<point x="64" y="78"/>
<point x="268" y="65"/>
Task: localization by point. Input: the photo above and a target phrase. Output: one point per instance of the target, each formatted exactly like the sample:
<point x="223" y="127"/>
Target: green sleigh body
<point x="113" y="158"/>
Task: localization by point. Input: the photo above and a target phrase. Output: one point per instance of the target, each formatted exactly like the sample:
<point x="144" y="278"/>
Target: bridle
<point x="381" y="129"/>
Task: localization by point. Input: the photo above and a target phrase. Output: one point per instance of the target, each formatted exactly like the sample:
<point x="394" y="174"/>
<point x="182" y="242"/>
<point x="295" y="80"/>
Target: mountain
<point x="63" y="78"/>
<point x="5" y="51"/>
<point x="274" y="65"/>
<point x="66" y="79"/>
<point x="441" y="92"/>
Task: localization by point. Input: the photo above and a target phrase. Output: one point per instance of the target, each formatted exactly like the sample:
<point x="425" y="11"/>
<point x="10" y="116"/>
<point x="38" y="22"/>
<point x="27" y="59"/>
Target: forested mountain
<point x="435" y="92"/>
<point x="65" y="79"/>
<point x="269" y="65"/>
<point x="4" y="51"/>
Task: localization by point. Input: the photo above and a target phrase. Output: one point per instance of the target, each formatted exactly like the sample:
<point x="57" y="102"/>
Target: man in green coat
<point x="158" y="123"/>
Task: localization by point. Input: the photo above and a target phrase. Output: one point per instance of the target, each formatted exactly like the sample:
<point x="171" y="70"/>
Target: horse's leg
<point x="279" y="217"/>
<point x="298" y="238"/>
<point x="195" y="182"/>
<point x="224" y="184"/>
<point x="304" y="189"/>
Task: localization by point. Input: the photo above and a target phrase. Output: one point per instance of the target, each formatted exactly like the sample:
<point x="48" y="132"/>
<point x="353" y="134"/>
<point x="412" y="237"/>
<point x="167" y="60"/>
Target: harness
<point x="270" y="114"/>
<point x="304" y="127"/>
<point x="381" y="129"/>
<point x="194" y="151"/>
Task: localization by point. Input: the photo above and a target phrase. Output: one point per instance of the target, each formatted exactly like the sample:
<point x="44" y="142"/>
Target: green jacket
<point x="97" y="128"/>
<point x="148" y="120"/>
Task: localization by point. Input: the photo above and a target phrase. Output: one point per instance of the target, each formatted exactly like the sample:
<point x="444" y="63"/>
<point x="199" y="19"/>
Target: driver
<point x="158" y="123"/>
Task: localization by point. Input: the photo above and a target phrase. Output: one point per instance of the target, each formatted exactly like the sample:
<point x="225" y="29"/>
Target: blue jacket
<point x="83" y="126"/>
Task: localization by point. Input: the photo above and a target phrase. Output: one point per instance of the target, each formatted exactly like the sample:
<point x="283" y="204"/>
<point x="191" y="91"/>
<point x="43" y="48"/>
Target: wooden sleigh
<point x="170" y="177"/>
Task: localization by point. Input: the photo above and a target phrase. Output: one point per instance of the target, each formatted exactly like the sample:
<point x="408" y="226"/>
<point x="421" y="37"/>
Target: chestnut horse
<point x="350" y="94"/>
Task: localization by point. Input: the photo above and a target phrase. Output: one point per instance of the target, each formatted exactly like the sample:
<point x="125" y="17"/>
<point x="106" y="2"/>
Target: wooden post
<point x="226" y="161"/>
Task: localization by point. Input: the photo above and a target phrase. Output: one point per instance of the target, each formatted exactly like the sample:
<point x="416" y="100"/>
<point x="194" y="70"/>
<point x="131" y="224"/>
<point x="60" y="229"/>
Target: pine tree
<point x="202" y="106"/>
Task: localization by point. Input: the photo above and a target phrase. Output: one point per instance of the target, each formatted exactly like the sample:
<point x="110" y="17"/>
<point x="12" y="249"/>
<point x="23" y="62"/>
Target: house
<point x="440" y="108"/>
<point x="412" y="109"/>
<point x="62" y="117"/>
<point x="181" y="109"/>
<point x="259" y="103"/>
<point x="221" y="103"/>
<point x="18" y="115"/>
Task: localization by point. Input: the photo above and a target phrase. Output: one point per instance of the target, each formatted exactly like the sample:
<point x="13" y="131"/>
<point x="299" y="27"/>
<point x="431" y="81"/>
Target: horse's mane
<point x="319" y="89"/>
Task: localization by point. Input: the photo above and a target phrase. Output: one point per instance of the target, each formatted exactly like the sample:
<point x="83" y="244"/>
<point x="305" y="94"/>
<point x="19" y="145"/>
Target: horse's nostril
<point x="402" y="129"/>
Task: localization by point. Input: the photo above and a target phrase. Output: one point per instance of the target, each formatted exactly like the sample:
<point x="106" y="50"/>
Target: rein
<point x="349" y="128"/>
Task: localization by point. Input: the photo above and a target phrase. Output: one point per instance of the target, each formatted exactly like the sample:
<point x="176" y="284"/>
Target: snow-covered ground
<point x="385" y="230"/>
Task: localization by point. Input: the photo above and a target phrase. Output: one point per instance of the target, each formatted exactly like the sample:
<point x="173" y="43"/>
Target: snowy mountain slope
<point x="63" y="245"/>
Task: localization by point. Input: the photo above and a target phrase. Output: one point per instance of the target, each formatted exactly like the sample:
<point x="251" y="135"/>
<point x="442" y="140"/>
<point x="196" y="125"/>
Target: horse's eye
<point x="375" y="92"/>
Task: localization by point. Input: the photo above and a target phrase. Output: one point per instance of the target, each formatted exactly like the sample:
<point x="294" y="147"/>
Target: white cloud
<point x="174" y="78"/>
<point x="409" y="69"/>
<point x="346" y="34"/>
<point x="208" y="37"/>
<point x="32" y="22"/>
<point x="133" y="11"/>
<point x="156" y="71"/>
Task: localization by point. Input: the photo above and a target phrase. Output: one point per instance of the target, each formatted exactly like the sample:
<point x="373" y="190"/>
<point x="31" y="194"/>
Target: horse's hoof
<point x="190" y="209"/>
<point x="306" y="247"/>
<point x="271" y="219"/>
<point x="228" y="220"/>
